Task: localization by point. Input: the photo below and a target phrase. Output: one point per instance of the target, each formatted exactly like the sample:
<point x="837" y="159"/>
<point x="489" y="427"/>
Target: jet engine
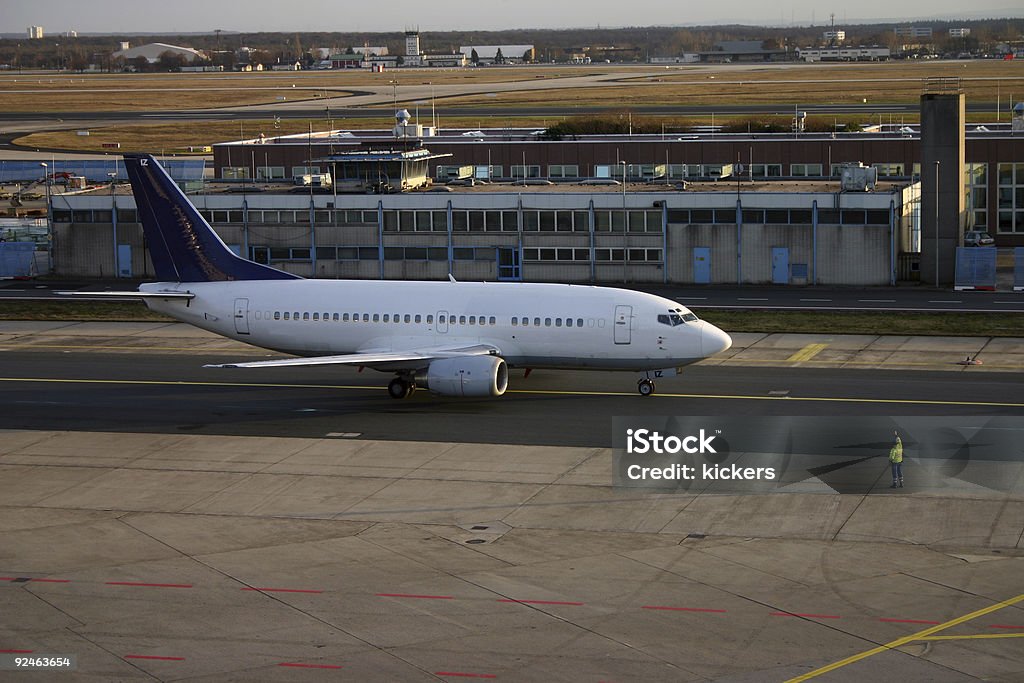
<point x="468" y="376"/>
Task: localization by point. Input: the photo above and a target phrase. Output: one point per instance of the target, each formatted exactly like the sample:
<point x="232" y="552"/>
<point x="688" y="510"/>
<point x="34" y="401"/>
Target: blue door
<point x="702" y="265"/>
<point x="124" y="260"/>
<point x="780" y="265"/>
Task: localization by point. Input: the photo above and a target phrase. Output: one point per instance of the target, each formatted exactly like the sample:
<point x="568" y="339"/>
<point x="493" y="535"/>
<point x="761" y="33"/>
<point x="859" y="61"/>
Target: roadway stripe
<point x="534" y="392"/>
<point x="807" y="353"/>
<point x="282" y="590"/>
<point x="976" y="636"/>
<point x="899" y="642"/>
<point x="149" y="585"/>
<point x="411" y="595"/>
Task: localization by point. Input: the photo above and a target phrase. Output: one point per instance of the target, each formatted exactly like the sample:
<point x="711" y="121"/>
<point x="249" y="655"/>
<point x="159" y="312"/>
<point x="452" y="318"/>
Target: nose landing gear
<point x="645" y="387"/>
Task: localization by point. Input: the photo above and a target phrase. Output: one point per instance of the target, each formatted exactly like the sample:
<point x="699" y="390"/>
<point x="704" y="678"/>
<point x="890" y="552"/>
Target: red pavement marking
<point x="282" y="590"/>
<point x="51" y="580"/>
<point x="463" y="674"/>
<point x="149" y="585"/>
<point x="409" y="595"/>
<point x="162" y="659"/>
<point x="1005" y="626"/>
<point x="16" y="652"/>
<point x="809" y="616"/>
<point x="909" y="621"/>
<point x="540" y="602"/>
<point x="6" y="578"/>
<point x="309" y="666"/>
<point x="684" y="609"/>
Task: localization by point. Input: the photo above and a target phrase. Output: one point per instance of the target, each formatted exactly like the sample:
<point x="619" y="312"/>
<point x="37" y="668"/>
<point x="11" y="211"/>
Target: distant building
<point x="412" y="48"/>
<point x="843" y="54"/>
<point x="287" y="66"/>
<point x="347" y="61"/>
<point x="369" y="50"/>
<point x="685" y="58"/>
<point x="152" y="52"/>
<point x="35" y="32"/>
<point x="457" y="59"/>
<point x="743" y="51"/>
<point x="837" y="36"/>
<point x="510" y="54"/>
<point x="959" y="32"/>
<point x="913" y="31"/>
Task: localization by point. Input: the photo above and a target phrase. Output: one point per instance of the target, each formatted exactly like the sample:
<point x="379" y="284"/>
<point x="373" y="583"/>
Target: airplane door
<point x="623" y="323"/>
<point x="442" y="322"/>
<point x="242" y="316"/>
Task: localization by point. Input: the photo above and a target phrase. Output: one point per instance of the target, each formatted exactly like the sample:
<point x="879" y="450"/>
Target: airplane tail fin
<point x="182" y="245"/>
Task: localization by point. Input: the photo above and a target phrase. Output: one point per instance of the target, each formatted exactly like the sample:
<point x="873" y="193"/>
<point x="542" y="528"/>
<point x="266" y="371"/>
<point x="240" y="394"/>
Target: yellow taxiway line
<point x="920" y="635"/>
<point x="807" y="353"/>
<point x="534" y="392"/>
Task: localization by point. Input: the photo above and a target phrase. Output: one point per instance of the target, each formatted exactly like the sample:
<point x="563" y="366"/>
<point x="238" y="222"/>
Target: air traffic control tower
<point x="942" y="179"/>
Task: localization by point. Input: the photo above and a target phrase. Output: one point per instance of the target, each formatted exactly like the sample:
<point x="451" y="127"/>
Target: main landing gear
<point x="401" y="387"/>
<point x="645" y="387"/>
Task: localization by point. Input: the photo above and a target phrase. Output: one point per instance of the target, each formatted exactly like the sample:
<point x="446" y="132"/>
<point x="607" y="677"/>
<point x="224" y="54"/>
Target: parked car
<point x="977" y="238"/>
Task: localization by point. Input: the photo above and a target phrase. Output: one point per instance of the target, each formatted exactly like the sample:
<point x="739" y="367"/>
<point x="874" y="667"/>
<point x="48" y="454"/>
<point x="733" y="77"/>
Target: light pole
<point x="936" y="225"/>
<point x="625" y="224"/>
<point x="49" y="219"/>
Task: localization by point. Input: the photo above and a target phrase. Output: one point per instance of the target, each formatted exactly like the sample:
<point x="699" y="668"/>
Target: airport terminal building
<point x="713" y="232"/>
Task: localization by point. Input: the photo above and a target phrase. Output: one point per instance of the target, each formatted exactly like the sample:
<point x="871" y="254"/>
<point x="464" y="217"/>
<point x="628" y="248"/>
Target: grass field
<point x="853" y="322"/>
<point x="139" y="92"/>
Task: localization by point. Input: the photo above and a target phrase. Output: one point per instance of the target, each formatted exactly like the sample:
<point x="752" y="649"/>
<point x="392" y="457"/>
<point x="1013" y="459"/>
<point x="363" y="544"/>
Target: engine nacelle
<point x="468" y="376"/>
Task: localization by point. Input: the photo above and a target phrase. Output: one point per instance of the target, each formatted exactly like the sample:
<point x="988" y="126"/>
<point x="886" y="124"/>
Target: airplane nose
<point x="713" y="340"/>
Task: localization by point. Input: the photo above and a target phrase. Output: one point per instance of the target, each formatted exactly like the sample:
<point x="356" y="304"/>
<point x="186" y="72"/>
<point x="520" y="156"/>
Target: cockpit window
<point x="690" y="317"/>
<point x="672" y="319"/>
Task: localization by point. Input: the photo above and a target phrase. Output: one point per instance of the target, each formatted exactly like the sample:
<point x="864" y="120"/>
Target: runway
<point x="163" y="521"/>
<point x="153" y="392"/>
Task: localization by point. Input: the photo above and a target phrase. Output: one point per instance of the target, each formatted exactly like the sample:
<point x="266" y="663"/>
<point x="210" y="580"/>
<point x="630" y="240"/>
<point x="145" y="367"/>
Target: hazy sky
<point x="56" y="16"/>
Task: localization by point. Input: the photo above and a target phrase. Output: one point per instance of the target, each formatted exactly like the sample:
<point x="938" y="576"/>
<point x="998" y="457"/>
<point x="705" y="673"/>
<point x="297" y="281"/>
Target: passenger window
<point x="366" y="317"/>
<point x="376" y="317"/>
<point x="547" y="322"/>
<point x="418" y="319"/>
<point x="536" y="322"/>
<point x="462" y="320"/>
<point x="492" y="321"/>
<point x="305" y="316"/>
<point x="472" y="320"/>
<point x="430" y="319"/>
<point x="277" y="315"/>
<point x="316" y="316"/>
<point x="600" y="322"/>
<point x="386" y="318"/>
<point x="408" y="318"/>
<point x="259" y="314"/>
<point x="396" y="318"/>
<point x="327" y="316"/>
<point x="295" y="315"/>
<point x="336" y="318"/>
<point x="515" y="322"/>
<point x="287" y="316"/>
<point x="440" y="319"/>
<point x="568" y="322"/>
<point x="579" y="322"/>
<point x="344" y="318"/>
<point x="558" y="322"/>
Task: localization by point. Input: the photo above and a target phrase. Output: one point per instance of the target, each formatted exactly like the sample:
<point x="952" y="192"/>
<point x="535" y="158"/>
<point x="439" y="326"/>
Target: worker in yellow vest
<point x="896" y="459"/>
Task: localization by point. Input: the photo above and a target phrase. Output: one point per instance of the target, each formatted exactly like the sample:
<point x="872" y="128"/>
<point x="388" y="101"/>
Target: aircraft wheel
<point x="645" y="387"/>
<point x="399" y="388"/>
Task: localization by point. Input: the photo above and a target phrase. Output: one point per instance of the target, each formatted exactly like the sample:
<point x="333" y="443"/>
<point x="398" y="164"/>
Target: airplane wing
<point x="410" y="358"/>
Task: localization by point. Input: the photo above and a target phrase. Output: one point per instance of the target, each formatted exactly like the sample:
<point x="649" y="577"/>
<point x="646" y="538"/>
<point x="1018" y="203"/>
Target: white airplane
<point x="453" y="338"/>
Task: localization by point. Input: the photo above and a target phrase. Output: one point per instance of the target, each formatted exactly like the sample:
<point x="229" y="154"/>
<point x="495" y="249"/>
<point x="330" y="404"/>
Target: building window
<point x="976" y="191"/>
<point x="1011" y="198"/>
<point x="519" y="171"/>
<point x="563" y="171"/>
<point x="270" y="172"/>
<point x="805" y="170"/>
<point x="234" y="173"/>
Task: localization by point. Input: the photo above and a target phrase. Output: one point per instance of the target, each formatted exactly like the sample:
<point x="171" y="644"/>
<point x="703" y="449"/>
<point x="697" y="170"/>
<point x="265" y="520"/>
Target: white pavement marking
<point x="815" y="299"/>
<point x="877" y="301"/>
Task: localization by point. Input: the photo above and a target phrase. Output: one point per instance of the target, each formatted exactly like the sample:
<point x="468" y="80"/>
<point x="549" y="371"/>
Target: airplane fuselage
<point x="531" y="325"/>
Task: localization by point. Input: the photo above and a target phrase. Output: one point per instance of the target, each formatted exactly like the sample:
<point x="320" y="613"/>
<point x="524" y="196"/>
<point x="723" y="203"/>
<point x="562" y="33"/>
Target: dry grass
<point x="136" y="92"/>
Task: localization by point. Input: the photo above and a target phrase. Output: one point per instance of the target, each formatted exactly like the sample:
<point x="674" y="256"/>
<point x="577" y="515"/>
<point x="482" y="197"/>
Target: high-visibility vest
<point x="896" y="452"/>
